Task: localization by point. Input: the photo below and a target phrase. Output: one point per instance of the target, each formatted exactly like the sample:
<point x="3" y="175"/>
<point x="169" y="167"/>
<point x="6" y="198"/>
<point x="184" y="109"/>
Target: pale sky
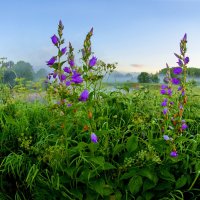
<point x="141" y="35"/>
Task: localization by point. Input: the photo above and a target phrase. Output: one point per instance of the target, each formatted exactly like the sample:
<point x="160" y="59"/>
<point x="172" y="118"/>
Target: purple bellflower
<point x="174" y="154"/>
<point x="54" y="39"/>
<point x="184" y="126"/>
<point x="177" y="70"/>
<point x="165" y="110"/>
<point x="76" y="78"/>
<point x="94" y="138"/>
<point x="51" y="61"/>
<point x="68" y="83"/>
<point x="63" y="50"/>
<point x="71" y="63"/>
<point x="166" y="137"/>
<point x="84" y="95"/>
<point x="63" y="77"/>
<point x="92" y="61"/>
<point x="164" y="103"/>
<point x="175" y="81"/>
<point x="162" y="91"/>
<point x="164" y="86"/>
<point x="180" y="63"/>
<point x="67" y="70"/>
<point x="185" y="38"/>
<point x="186" y="60"/>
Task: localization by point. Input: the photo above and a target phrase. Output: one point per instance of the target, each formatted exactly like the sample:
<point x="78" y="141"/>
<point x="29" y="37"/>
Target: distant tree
<point x="9" y="64"/>
<point x="24" y="70"/>
<point x="191" y="71"/>
<point x="41" y="73"/>
<point x="154" y="78"/>
<point x="9" y="77"/>
<point x="144" y="77"/>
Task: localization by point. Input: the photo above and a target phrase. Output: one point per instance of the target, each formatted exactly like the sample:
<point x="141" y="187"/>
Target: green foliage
<point x="24" y="70"/>
<point x="144" y="77"/>
<point x="52" y="152"/>
<point x="46" y="151"/>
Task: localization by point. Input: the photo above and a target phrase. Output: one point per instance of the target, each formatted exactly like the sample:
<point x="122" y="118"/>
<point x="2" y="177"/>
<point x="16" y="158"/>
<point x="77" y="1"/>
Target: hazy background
<point x="141" y="35"/>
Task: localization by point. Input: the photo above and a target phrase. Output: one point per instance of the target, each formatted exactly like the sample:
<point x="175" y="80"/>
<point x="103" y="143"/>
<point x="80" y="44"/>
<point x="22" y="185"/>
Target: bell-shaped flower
<point x="92" y="61"/>
<point x="94" y="138"/>
<point x="54" y="39"/>
<point x="84" y="95"/>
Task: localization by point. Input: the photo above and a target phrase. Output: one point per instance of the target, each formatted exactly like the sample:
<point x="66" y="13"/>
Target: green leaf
<point x="181" y="181"/>
<point x="148" y="195"/>
<point x="101" y="188"/>
<point x="148" y="173"/>
<point x="166" y="175"/>
<point x="132" y="143"/>
<point x="86" y="174"/>
<point x="135" y="184"/>
<point x="108" y="166"/>
<point x="98" y="160"/>
<point x="166" y="186"/>
<point x="76" y="193"/>
<point x="117" y="149"/>
<point x="129" y="174"/>
<point x="148" y="184"/>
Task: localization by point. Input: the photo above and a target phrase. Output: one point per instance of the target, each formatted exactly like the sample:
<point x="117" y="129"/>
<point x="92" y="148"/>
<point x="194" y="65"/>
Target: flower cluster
<point x="68" y="81"/>
<point x="70" y="77"/>
<point x="172" y="115"/>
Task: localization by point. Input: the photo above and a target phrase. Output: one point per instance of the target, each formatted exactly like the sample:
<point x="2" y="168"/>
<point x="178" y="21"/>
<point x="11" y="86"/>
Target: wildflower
<point x="91" y="31"/>
<point x="69" y="105"/>
<point x="186" y="60"/>
<point x="169" y="92"/>
<point x="63" y="50"/>
<point x="54" y="39"/>
<point x="184" y="38"/>
<point x="171" y="103"/>
<point x="181" y="107"/>
<point x="175" y="81"/>
<point x="164" y="103"/>
<point x="174" y="153"/>
<point x="84" y="95"/>
<point x="68" y="83"/>
<point x="166" y="137"/>
<point x="67" y="70"/>
<point x="71" y="62"/>
<point x="92" y="61"/>
<point x="94" y="138"/>
<point x="51" y="61"/>
<point x="180" y="63"/>
<point x="165" y="110"/>
<point x="162" y="91"/>
<point x="179" y="88"/>
<point x="164" y="86"/>
<point x="76" y="77"/>
<point x="184" y="126"/>
<point x="62" y="77"/>
<point x="177" y="70"/>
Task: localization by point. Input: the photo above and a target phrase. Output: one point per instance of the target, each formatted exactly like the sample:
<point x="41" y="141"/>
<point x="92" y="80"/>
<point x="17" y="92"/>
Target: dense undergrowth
<point x="46" y="154"/>
<point x="84" y="143"/>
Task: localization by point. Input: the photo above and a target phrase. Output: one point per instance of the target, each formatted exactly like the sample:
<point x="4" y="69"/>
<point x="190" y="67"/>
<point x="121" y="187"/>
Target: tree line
<point x="9" y="71"/>
<point x="145" y="77"/>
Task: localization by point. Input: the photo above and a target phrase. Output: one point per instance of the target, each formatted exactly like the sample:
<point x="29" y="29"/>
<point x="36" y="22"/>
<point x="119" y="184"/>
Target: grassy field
<point x="46" y="151"/>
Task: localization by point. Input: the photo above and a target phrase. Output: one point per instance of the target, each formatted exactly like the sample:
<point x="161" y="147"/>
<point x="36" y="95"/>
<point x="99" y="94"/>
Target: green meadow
<point x="77" y="138"/>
